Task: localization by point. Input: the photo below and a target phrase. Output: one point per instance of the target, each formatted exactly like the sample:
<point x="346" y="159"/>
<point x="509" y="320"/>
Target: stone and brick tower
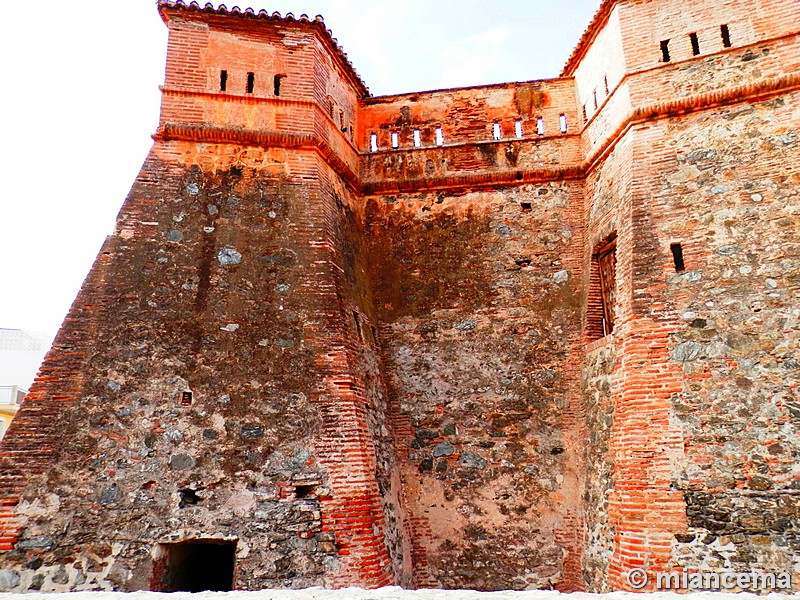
<point x="524" y="335"/>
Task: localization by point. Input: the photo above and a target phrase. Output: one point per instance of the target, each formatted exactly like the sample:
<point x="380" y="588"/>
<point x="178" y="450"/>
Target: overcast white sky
<point x="80" y="101"/>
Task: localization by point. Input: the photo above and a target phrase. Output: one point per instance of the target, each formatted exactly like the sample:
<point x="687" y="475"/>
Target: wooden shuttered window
<point x="607" y="267"/>
<point x="600" y="317"/>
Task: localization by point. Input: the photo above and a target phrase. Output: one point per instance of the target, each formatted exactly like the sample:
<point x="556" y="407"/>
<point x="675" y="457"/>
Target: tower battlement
<point x="524" y="335"/>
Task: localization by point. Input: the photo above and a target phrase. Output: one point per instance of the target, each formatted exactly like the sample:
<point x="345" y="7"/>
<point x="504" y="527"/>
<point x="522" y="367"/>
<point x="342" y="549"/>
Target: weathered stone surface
<point x="39" y="542"/>
<point x="229" y="256"/>
<point x="9" y="580"/>
<point x="432" y="357"/>
<point x="443" y="449"/>
<point x="686" y="351"/>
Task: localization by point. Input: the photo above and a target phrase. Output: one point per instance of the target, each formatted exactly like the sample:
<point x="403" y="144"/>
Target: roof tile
<point x="588" y="36"/>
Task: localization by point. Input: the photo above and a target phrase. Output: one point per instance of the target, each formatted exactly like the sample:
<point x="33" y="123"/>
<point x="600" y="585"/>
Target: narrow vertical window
<point x="607" y="262"/>
<point x="594" y="97"/>
<point x="223" y="80"/>
<point x="395" y="139"/>
<point x="330" y="107"/>
<point x="417" y="139"/>
<point x="695" y="44"/>
<point x="358" y="326"/>
<point x="373" y="142"/>
<point x="664" y="50"/>
<point x="439" y="137"/>
<point x="518" y="129"/>
<point x="600" y="315"/>
<point x="251" y="82"/>
<point x="496" y="131"/>
<point x="677" y="257"/>
<point x="726" y="35"/>
<point x="562" y="121"/>
<point x="585" y="119"/>
<point x="605" y="83"/>
<point x="539" y="126"/>
<point x="276" y="84"/>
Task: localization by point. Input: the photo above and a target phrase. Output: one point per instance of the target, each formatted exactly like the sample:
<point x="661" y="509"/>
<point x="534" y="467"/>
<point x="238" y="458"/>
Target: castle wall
<point x="644" y="509"/>
<point x="607" y="188"/>
<point x="624" y="68"/>
<point x="469" y="156"/>
<point x="315" y="103"/>
<point x="599" y="409"/>
<point x="229" y="393"/>
<point x="737" y="67"/>
<point x="468" y="114"/>
<point x="479" y="299"/>
<point x="601" y="70"/>
<point x="218" y="283"/>
<point x="635" y="515"/>
<point x="364" y="338"/>
<point x="646" y="25"/>
<point x="734" y="207"/>
<point x="675" y="501"/>
<point x="380" y="545"/>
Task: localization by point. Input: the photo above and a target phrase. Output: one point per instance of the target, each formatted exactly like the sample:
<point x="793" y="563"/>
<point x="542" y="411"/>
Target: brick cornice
<point x="473" y="180"/>
<point x="220" y="135"/>
<point x="233" y="97"/>
<point x="752" y="91"/>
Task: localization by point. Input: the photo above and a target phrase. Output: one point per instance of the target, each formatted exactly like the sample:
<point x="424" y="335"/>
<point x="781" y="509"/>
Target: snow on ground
<point x="387" y="593"/>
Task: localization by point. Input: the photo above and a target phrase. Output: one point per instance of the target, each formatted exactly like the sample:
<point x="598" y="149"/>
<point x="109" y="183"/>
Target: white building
<point x="21" y="354"/>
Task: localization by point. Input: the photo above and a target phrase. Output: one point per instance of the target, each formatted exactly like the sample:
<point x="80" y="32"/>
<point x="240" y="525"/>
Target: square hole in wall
<point x="304" y="490"/>
<point x="200" y="565"/>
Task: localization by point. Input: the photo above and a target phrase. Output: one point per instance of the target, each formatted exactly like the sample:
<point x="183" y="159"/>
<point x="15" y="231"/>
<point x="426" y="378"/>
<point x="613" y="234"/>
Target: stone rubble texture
<point x="381" y="366"/>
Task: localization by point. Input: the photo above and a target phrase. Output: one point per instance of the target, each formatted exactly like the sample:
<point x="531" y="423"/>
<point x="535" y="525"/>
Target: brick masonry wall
<point x="644" y="26"/>
<point x="643" y="507"/>
<point x="607" y="188"/>
<point x="468" y="114"/>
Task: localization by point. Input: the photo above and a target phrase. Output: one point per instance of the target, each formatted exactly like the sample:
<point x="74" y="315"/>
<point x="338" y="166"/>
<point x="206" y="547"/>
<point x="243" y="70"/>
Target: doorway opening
<point x="196" y="566"/>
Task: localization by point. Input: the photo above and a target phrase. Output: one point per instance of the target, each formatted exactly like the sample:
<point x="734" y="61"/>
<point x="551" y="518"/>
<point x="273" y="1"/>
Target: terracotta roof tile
<point x="316" y="22"/>
<point x="599" y="19"/>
